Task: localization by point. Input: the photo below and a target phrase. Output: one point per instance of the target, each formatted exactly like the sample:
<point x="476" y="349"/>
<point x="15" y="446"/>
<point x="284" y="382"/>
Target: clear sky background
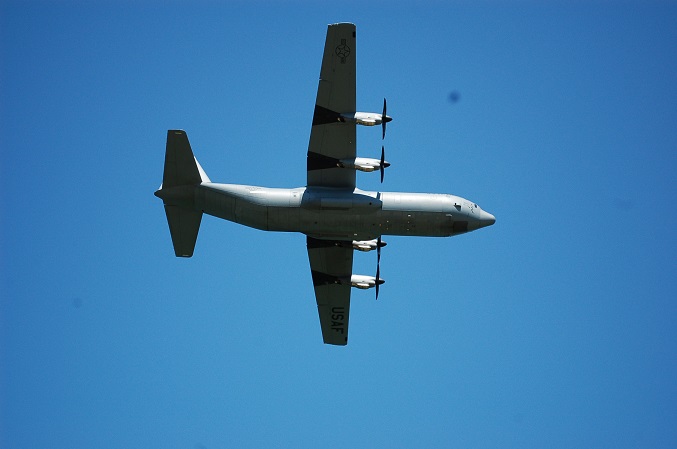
<point x="556" y="327"/>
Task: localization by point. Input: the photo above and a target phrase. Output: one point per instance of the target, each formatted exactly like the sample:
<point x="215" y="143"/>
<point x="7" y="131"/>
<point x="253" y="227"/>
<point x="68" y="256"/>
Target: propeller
<point x="384" y="119"/>
<point x="378" y="265"/>
<point x="382" y="167"/>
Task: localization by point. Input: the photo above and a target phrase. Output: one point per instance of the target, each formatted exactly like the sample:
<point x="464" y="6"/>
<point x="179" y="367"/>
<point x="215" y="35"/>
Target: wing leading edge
<point x="331" y="138"/>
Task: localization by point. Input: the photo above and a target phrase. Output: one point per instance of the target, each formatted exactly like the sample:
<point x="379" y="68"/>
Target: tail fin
<point x="182" y="174"/>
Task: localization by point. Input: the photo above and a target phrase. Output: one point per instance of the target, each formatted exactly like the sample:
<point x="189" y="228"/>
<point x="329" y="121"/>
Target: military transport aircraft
<point x="336" y="217"/>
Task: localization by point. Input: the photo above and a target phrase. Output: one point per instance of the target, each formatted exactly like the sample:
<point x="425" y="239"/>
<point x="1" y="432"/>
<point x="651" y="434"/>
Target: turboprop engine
<point x="369" y="118"/>
<point x="365" y="164"/>
<point x="364" y="282"/>
<point x="368" y="245"/>
<point x="366" y="118"/>
<point x="318" y="161"/>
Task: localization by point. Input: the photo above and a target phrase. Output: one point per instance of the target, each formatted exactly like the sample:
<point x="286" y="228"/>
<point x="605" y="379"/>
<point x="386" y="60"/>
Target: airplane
<point x="336" y="217"/>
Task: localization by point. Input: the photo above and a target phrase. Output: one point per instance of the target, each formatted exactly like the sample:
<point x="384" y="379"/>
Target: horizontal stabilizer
<point x="181" y="168"/>
<point x="184" y="225"/>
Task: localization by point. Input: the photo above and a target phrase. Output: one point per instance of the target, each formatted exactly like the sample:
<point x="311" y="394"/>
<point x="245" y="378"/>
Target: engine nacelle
<point x="365" y="118"/>
<point x="367" y="245"/>
<point x="364" y="282"/>
<point x="365" y="164"/>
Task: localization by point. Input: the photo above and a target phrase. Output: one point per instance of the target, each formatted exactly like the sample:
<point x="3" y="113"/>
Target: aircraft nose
<point x="486" y="219"/>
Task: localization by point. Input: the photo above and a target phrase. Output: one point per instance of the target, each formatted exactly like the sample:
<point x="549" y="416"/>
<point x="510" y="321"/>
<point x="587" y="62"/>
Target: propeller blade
<point x="378" y="273"/>
<point x="383" y="120"/>
<point x="378" y="264"/>
<point x="382" y="166"/>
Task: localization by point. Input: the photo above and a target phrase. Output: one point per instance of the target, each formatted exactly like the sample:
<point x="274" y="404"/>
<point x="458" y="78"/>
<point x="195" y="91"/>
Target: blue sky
<point x="556" y="327"/>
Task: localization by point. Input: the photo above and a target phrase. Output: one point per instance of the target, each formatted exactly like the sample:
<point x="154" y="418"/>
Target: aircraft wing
<point x="332" y="138"/>
<point x="331" y="265"/>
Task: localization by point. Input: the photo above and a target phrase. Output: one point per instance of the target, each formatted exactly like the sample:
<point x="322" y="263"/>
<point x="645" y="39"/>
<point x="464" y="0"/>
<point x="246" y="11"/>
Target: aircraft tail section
<point x="181" y="175"/>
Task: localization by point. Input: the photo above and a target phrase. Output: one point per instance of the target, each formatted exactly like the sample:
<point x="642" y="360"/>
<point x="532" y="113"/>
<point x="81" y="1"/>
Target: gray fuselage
<point x="328" y="213"/>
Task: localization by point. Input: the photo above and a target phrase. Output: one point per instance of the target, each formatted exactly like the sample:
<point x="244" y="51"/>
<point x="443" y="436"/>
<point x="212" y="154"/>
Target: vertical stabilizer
<point x="182" y="174"/>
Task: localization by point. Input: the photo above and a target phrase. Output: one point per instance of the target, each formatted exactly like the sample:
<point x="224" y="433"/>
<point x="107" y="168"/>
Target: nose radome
<point x="486" y="219"/>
